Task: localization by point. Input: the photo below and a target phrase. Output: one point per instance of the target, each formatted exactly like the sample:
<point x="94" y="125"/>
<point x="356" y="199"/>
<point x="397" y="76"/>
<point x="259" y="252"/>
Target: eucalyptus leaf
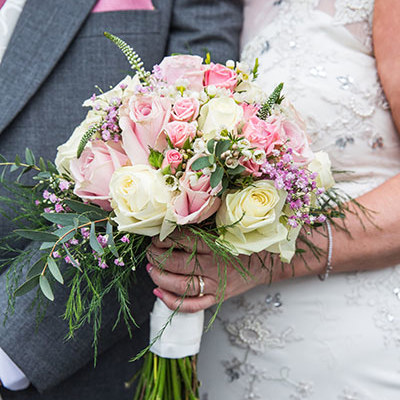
<point x="110" y="240"/>
<point x="216" y="177"/>
<point x="36" y="235"/>
<point x="94" y="244"/>
<point x="36" y="268"/>
<point x="3" y="159"/>
<point x="65" y="218"/>
<point x="46" y="245"/>
<point x="200" y="163"/>
<point x="87" y="209"/>
<point x="210" y="145"/>
<point x="222" y="146"/>
<point x="46" y="288"/>
<point x="236" y="171"/>
<point x="54" y="270"/>
<point x="27" y="286"/>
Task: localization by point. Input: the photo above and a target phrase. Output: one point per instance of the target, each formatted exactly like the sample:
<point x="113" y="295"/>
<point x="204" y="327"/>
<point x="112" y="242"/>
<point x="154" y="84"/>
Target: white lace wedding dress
<point x="306" y="339"/>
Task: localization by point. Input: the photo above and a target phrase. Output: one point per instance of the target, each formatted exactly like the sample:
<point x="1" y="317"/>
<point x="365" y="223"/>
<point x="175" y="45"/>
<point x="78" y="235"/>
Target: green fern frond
<point x="275" y="98"/>
<point x="86" y="137"/>
<point x="134" y="60"/>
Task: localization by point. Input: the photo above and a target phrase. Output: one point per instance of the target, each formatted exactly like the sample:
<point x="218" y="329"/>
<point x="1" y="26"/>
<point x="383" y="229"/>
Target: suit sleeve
<point x="41" y="351"/>
<point x="201" y="26"/>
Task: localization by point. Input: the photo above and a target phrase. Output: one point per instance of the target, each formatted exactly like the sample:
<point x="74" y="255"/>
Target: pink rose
<point x="220" y="76"/>
<point x="292" y="130"/>
<point x="186" y="67"/>
<point x="197" y="201"/>
<point x="172" y="158"/>
<point x="185" y="109"/>
<point x="262" y="134"/>
<point x="93" y="170"/>
<point x="252" y="168"/>
<point x="179" y="132"/>
<point x="297" y="140"/>
<point x="142" y="122"/>
<point x="249" y="111"/>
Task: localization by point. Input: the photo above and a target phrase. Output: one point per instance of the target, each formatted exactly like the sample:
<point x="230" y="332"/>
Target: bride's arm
<point x="387" y="51"/>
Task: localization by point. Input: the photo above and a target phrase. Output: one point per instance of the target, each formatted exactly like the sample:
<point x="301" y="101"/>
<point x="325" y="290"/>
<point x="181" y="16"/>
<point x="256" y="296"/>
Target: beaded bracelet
<point x="328" y="267"/>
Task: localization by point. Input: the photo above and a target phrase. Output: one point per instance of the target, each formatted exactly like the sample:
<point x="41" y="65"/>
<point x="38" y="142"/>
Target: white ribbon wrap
<point x="181" y="338"/>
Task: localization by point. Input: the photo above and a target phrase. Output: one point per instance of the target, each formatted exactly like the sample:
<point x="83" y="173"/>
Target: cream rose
<point x="139" y="199"/>
<point x="220" y="112"/>
<point x="67" y="151"/>
<point x="321" y="164"/>
<point x="252" y="215"/>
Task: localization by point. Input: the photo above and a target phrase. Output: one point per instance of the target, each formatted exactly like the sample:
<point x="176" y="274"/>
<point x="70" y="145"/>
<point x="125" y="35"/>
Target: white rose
<point x="251" y="93"/>
<point x="218" y="113"/>
<point x="252" y="217"/>
<point x="139" y="199"/>
<point x="322" y="165"/>
<point x="67" y="151"/>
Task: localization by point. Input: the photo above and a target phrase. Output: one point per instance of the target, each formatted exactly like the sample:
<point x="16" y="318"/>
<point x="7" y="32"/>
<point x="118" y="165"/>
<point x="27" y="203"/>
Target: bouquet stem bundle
<point x="166" y="378"/>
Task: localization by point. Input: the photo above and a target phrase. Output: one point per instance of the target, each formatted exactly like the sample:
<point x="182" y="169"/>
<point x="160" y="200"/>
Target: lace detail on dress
<point x="354" y="12"/>
<point x="379" y="292"/>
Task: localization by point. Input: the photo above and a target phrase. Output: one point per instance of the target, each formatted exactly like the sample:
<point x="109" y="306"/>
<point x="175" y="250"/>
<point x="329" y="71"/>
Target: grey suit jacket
<point x="56" y="55"/>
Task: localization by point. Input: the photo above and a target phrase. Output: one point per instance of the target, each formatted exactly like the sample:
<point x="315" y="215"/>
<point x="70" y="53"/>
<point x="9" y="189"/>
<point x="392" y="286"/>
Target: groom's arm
<point x="199" y="26"/>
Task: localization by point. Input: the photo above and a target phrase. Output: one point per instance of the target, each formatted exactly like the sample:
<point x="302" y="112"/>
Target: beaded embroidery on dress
<point x="303" y="339"/>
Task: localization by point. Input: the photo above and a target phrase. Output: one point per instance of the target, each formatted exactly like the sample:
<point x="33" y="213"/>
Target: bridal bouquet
<point x="192" y="145"/>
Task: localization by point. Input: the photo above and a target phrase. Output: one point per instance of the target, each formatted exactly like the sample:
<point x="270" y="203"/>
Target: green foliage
<point x="134" y="60"/>
<point x="86" y="138"/>
<point x="216" y="177"/>
<point x="275" y="98"/>
<point x="29" y="285"/>
<point x="255" y="69"/>
<point x="46" y="288"/>
<point x="155" y="158"/>
<point x="200" y="163"/>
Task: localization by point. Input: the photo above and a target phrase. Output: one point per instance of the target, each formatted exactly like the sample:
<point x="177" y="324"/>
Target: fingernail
<point x="158" y="293"/>
<point x="149" y="267"/>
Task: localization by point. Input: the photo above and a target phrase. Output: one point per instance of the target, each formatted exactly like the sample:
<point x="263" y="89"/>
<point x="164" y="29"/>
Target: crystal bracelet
<point x="328" y="267"/>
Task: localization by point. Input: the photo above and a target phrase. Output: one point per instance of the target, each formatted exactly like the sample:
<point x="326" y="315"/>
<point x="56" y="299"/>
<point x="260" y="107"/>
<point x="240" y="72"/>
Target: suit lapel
<point x="43" y="33"/>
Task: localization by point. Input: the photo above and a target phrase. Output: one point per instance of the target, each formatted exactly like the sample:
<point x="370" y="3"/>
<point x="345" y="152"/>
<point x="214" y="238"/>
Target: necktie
<point x="2" y="3"/>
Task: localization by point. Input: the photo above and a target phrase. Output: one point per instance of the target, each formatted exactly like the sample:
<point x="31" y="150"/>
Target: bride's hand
<point x="178" y="277"/>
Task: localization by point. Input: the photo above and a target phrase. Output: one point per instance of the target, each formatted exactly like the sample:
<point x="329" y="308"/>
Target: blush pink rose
<point x="220" y="76"/>
<point x="186" y="67"/>
<point x="293" y="133"/>
<point x="252" y="168"/>
<point x="178" y="132"/>
<point x="197" y="200"/>
<point x="262" y="134"/>
<point x="92" y="172"/>
<point x="185" y="109"/>
<point x="172" y="158"/>
<point x="249" y="111"/>
<point x="142" y="122"/>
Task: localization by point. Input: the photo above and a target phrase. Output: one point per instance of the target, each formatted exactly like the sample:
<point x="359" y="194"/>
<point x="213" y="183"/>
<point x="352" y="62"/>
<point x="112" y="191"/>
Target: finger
<point x="177" y="262"/>
<point x="186" y="305"/>
<point x="183" y="240"/>
<point x="182" y="285"/>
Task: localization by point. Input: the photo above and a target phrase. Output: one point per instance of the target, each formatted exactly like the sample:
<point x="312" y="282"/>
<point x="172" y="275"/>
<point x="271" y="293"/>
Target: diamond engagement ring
<point x="201" y="286"/>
